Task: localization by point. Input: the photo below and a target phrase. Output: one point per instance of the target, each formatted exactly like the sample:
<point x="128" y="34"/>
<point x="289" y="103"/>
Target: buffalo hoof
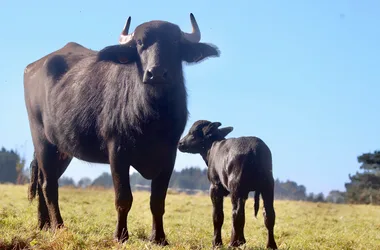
<point x="272" y="245"/>
<point x="44" y="225"/>
<point x="159" y="241"/>
<point x="237" y="243"/>
<point x="121" y="236"/>
<point x="57" y="226"/>
<point x="217" y="243"/>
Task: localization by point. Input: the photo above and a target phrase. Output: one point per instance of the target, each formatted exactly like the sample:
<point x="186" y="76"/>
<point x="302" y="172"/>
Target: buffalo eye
<point x="139" y="42"/>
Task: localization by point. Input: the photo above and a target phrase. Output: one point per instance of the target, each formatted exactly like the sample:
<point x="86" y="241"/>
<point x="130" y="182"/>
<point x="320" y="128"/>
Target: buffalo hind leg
<point x="51" y="165"/>
<point x="123" y="193"/>
<point x="238" y="219"/>
<point x="43" y="212"/>
<point x="269" y="216"/>
<point x="217" y="197"/>
<point x="157" y="203"/>
<point x="37" y="180"/>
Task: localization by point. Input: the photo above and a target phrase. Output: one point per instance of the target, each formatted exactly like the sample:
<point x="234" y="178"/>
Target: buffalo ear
<point x="196" y="52"/>
<point x="223" y="132"/>
<point x="120" y="54"/>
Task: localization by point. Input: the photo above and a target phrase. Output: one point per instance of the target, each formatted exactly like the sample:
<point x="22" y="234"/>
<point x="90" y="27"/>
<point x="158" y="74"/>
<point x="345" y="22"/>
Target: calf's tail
<point x="257" y="202"/>
<point x="33" y="180"/>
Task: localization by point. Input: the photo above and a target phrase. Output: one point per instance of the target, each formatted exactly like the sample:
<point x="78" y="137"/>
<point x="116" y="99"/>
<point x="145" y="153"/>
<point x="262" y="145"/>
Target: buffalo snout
<point x="156" y="74"/>
<point x="185" y="145"/>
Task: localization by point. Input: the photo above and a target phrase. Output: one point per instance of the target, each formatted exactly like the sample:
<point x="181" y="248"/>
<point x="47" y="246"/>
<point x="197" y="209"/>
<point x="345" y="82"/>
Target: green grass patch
<point x="90" y="220"/>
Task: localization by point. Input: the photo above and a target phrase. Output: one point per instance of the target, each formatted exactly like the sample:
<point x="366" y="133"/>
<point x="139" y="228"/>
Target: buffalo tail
<point x="257" y="202"/>
<point x="33" y="180"/>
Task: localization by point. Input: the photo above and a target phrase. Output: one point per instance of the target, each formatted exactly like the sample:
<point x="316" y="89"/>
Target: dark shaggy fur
<point x="236" y="166"/>
<point x="105" y="107"/>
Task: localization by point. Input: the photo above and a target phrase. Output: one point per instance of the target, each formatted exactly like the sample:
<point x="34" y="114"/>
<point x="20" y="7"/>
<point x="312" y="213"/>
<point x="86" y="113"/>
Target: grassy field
<point x="90" y="218"/>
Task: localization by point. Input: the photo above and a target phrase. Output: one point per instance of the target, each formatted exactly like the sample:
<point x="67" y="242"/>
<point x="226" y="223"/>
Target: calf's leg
<point x="269" y="216"/>
<point x="238" y="219"/>
<point x="217" y="198"/>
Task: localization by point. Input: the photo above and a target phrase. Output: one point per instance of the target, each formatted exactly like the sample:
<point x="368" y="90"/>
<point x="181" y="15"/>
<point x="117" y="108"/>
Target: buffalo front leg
<point x="217" y="198"/>
<point x="157" y="204"/>
<point x="123" y="195"/>
<point x="238" y="220"/>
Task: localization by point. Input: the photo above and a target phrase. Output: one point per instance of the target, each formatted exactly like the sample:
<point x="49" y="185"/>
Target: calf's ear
<point x="223" y="132"/>
<point x="211" y="129"/>
<point x="120" y="54"/>
<point x="196" y="52"/>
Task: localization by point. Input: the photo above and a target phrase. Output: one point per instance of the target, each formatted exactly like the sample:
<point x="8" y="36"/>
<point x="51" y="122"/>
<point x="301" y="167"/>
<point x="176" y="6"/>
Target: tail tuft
<point x="33" y="180"/>
<point x="257" y="202"/>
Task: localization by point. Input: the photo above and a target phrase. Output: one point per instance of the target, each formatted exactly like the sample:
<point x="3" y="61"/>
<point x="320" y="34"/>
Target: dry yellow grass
<point x="90" y="219"/>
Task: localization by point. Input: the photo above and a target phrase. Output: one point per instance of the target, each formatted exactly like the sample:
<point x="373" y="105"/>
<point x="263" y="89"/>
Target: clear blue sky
<point x="302" y="75"/>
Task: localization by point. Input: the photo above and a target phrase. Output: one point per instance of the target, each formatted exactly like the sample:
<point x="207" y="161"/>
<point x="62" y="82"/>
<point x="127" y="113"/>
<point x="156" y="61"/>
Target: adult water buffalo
<point x="125" y="105"/>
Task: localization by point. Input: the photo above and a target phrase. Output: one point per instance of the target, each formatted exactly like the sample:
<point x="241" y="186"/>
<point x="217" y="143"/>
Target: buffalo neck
<point x="205" y="153"/>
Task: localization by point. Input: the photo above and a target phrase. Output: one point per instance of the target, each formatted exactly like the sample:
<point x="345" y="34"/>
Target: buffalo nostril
<point x="156" y="74"/>
<point x="165" y="74"/>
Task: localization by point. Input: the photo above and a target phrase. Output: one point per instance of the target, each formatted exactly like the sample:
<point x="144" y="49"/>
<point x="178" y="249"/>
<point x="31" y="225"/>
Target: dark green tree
<point x="364" y="187"/>
<point x="370" y="162"/>
<point x="12" y="167"/>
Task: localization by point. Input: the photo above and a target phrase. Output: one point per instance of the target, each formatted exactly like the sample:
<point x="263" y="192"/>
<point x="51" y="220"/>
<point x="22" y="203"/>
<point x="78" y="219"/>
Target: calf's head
<point x="159" y="48"/>
<point x="201" y="136"/>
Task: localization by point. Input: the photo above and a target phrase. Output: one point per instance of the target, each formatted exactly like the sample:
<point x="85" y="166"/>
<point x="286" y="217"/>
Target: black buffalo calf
<point x="236" y="166"/>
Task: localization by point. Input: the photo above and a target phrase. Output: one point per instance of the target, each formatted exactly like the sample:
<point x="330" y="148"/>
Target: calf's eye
<point x="139" y="42"/>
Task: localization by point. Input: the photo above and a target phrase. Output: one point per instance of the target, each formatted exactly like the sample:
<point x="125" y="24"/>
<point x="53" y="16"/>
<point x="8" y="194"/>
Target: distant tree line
<point x="363" y="187"/>
<point x="188" y="178"/>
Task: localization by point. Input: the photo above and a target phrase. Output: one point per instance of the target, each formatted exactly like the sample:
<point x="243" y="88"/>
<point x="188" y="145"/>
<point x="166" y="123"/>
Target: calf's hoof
<point x="159" y="240"/>
<point x="217" y="243"/>
<point x="121" y="235"/>
<point x="272" y="245"/>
